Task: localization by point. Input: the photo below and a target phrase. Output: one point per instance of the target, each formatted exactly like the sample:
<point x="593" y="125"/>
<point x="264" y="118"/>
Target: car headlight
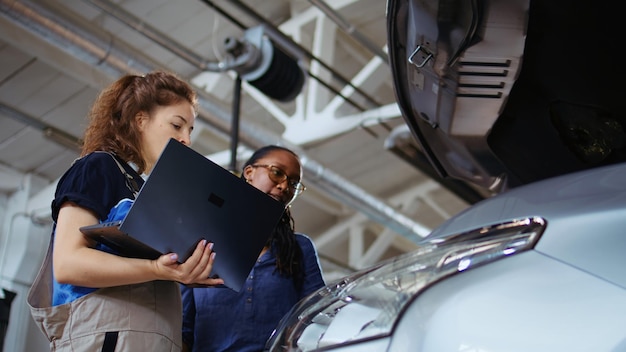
<point x="367" y="304"/>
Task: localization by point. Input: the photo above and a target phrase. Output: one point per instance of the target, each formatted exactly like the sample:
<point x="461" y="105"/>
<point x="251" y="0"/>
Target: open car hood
<point x="501" y="93"/>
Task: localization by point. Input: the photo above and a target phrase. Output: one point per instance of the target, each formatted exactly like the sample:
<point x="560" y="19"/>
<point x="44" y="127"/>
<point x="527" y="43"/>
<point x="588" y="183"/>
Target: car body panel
<point x="529" y="302"/>
<point x="567" y="293"/>
<point x="576" y="207"/>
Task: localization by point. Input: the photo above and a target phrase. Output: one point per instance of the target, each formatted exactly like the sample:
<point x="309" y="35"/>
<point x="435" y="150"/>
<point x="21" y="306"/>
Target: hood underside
<point x="500" y="94"/>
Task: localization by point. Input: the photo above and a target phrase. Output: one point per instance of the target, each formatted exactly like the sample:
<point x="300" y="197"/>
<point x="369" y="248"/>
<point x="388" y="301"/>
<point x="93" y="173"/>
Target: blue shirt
<point x="220" y="319"/>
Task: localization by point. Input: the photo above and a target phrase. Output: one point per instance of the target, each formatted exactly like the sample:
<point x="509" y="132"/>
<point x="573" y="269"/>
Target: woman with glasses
<point x="220" y="319"/>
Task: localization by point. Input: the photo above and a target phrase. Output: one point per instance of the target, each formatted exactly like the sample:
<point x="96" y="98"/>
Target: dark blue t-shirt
<point x="94" y="182"/>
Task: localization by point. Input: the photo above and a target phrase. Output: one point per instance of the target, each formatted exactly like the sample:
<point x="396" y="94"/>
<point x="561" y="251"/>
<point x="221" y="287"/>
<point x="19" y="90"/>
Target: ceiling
<point x="365" y="200"/>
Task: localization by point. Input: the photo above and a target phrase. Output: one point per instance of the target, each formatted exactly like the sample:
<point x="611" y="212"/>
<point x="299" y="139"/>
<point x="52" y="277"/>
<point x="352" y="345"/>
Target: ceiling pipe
<point x="59" y="136"/>
<point x="95" y="48"/>
<point x="350" y="30"/>
<point x="140" y="26"/>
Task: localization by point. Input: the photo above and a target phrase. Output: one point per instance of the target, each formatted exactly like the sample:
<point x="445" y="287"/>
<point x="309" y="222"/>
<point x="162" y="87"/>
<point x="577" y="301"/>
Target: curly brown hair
<point x="112" y="123"/>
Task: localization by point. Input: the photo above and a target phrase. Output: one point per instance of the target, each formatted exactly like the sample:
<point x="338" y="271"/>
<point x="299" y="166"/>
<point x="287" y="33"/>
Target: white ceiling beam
<point x="356" y="245"/>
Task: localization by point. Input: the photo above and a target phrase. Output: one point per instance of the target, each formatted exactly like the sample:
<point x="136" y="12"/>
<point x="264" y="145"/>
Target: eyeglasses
<point x="279" y="176"/>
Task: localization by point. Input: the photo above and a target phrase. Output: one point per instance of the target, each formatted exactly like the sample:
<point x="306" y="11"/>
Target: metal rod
<point x="350" y="29"/>
<point x="234" y="129"/>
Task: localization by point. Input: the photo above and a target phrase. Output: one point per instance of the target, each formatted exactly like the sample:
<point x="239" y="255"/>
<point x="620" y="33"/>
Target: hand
<point x="195" y="270"/>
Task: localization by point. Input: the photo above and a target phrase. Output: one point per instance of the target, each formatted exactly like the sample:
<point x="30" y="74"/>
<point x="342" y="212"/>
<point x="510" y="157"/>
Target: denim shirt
<point x="220" y="319"/>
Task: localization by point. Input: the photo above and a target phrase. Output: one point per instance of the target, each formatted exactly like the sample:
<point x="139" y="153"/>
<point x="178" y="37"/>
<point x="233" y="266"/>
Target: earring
<point x="247" y="180"/>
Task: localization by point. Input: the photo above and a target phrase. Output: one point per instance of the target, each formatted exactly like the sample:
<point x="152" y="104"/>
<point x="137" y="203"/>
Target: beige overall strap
<point x="110" y="338"/>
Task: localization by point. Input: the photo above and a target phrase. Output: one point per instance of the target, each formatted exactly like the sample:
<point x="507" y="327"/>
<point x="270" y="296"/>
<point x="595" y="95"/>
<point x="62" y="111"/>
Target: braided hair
<point x="282" y="243"/>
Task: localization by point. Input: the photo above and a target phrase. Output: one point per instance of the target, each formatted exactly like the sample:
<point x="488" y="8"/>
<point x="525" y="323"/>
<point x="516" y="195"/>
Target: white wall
<point x="25" y="227"/>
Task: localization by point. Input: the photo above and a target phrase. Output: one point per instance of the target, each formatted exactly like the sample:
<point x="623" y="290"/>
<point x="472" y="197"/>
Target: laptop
<point x="188" y="198"/>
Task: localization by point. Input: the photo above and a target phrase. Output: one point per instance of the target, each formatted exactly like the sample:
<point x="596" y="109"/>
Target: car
<point x="536" y="268"/>
<point x="521" y="101"/>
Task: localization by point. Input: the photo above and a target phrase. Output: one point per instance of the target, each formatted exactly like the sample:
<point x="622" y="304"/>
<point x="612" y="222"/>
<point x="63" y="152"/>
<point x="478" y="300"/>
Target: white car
<point x="537" y="268"/>
<point x="523" y="102"/>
